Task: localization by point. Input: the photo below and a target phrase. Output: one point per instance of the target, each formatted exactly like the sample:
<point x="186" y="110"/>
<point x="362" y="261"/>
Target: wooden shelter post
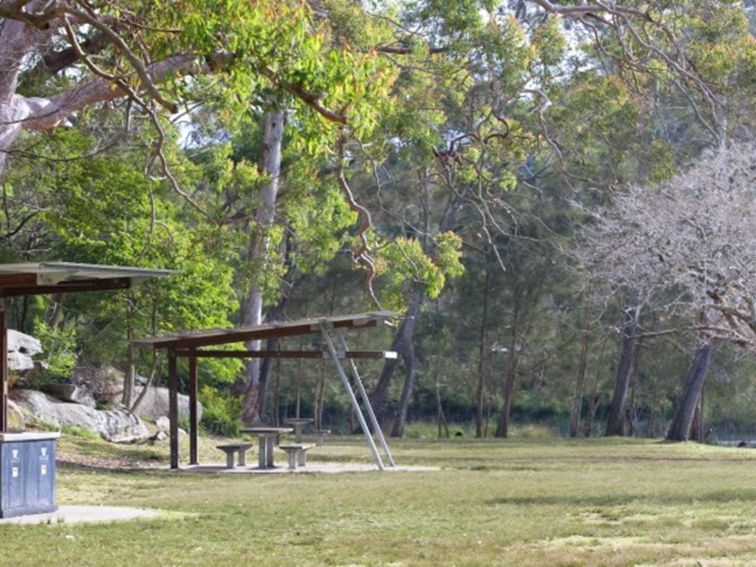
<point x="3" y="369"/>
<point x="355" y="404"/>
<point x="173" y="407"/>
<point x="193" y="414"/>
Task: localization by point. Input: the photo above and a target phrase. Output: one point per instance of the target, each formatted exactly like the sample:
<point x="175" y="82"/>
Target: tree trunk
<point x="259" y="249"/>
<point x="443" y="426"/>
<point x="577" y="399"/>
<point x="593" y="404"/>
<point x="482" y="356"/>
<point x="502" y="430"/>
<point x="129" y="377"/>
<point x="594" y="399"/>
<point x="402" y="344"/>
<point x="408" y="357"/>
<point x="697" y="427"/>
<point x="616" y="422"/>
<point x="691" y="393"/>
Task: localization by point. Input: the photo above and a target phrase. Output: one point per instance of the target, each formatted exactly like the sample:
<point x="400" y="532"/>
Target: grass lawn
<point x="514" y="502"/>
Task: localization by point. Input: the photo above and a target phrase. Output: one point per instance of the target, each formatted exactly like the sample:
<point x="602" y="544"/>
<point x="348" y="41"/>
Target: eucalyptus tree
<point x="502" y="65"/>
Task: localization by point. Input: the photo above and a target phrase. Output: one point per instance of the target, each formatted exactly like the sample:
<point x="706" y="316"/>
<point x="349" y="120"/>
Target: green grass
<point x="515" y="502"/>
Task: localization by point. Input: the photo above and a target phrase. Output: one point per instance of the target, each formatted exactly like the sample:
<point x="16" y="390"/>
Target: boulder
<point x="163" y="424"/>
<point x="116" y="425"/>
<point x="71" y="393"/>
<point x="105" y="383"/>
<point x="155" y="404"/>
<point x="21" y="349"/>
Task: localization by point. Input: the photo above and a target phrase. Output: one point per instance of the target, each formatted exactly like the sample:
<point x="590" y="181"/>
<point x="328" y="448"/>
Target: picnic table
<point x="267" y="437"/>
<point x="298" y="423"/>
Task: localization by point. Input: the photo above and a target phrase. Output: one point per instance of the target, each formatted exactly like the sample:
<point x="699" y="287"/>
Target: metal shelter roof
<point x="209" y="337"/>
<point x="36" y="278"/>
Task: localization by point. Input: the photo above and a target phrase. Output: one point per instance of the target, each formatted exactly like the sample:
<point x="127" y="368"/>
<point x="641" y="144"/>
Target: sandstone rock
<point x="116" y="425"/>
<point x="155" y="404"/>
<point x="21" y="349"/>
<point x="71" y="393"/>
<point x="163" y="423"/>
<point x="105" y="383"/>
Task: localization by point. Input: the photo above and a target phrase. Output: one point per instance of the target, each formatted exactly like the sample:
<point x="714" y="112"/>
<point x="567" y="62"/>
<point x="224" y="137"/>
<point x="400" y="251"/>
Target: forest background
<point x="489" y="169"/>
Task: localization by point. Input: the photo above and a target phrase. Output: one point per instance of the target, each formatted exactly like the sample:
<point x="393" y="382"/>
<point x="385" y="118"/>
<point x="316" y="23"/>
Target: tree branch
<point x="361" y="253"/>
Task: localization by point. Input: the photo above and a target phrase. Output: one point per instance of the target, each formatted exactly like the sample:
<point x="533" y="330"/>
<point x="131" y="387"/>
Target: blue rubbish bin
<point x="27" y="473"/>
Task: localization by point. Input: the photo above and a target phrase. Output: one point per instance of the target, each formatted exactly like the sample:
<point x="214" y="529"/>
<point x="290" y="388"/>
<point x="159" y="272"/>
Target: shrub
<point x="220" y="412"/>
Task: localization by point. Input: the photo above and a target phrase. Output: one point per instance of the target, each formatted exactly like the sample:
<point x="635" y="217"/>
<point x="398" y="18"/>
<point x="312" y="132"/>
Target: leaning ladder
<point x="326" y="331"/>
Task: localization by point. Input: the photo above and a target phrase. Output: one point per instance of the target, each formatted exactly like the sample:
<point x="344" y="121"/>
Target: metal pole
<point x="173" y="407"/>
<point x="193" y="414"/>
<point x="3" y="370"/>
<point x="368" y="406"/>
<point x="355" y="404"/>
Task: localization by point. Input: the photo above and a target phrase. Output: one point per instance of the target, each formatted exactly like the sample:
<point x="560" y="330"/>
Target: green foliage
<point x="104" y="210"/>
<point x="221" y="411"/>
<point x="59" y="345"/>
<point x="404" y="264"/>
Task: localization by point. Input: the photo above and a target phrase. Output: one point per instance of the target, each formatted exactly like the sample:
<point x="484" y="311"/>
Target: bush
<point x="59" y="346"/>
<point x="220" y="413"/>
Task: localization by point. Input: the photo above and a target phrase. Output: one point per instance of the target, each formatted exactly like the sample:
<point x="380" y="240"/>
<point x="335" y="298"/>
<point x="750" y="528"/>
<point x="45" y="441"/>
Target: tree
<point x="691" y="236"/>
<point x="63" y="57"/>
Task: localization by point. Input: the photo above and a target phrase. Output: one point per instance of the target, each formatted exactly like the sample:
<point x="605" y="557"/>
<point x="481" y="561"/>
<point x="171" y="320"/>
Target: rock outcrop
<point x="155" y="405"/>
<point x="71" y="393"/>
<point x="21" y="349"/>
<point x="106" y="384"/>
<point x="117" y="425"/>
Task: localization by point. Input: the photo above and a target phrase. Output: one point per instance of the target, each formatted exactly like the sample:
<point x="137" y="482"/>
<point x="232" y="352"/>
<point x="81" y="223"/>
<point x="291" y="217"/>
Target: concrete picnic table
<point x="298" y="423"/>
<point x="267" y="437"/>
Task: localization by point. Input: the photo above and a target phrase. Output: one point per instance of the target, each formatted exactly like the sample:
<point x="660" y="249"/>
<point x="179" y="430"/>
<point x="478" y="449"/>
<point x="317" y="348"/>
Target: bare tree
<point x="692" y="238"/>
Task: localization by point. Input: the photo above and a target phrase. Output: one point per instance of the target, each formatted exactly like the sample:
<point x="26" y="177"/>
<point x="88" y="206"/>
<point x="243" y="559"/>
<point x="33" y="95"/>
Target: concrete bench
<point x="321" y="435"/>
<point x="297" y="454"/>
<point x="231" y="448"/>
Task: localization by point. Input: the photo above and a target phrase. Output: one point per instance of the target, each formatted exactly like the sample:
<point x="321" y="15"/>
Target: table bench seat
<point x="297" y="454"/>
<point x="231" y="449"/>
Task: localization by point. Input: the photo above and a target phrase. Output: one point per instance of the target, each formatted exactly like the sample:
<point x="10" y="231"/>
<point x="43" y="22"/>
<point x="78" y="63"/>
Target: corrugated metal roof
<point x="208" y="337"/>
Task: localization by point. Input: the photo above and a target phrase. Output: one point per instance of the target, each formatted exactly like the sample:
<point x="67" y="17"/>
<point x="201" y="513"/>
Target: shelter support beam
<point x="173" y="408"/>
<point x="316" y="354"/>
<point x="355" y="404"/>
<point x="193" y="414"/>
<point x="68" y="287"/>
<point x="368" y="406"/>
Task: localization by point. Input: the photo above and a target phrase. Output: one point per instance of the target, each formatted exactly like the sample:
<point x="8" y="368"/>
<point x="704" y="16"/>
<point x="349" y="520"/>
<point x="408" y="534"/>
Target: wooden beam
<point x="66" y="287"/>
<point x="242" y="335"/>
<point x="18" y="280"/>
<point x="173" y="408"/>
<point x="193" y="414"/>
<point x="362" y="354"/>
